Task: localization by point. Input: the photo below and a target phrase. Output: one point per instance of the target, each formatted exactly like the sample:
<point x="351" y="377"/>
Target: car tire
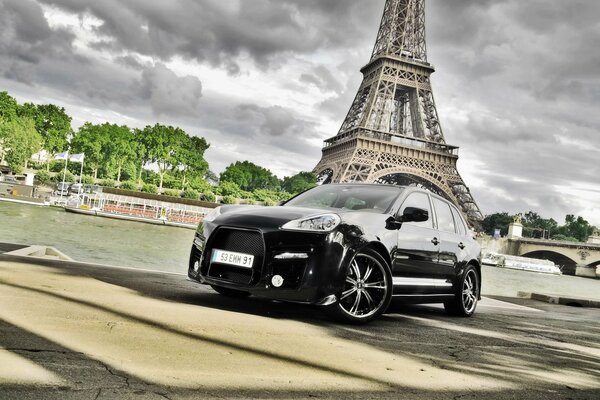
<point x="466" y="295"/>
<point x="238" y="294"/>
<point x="367" y="289"/>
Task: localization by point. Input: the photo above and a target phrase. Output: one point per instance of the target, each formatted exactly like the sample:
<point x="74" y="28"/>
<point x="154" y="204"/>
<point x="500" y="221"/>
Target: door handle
<point x="435" y="241"/>
<point x="461" y="245"/>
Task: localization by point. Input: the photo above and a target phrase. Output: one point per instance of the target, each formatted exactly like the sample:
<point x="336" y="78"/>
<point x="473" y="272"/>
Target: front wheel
<point x="466" y="296"/>
<point x="367" y="289"/>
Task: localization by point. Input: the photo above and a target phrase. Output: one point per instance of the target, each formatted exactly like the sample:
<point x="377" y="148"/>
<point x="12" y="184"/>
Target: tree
<point x="161" y="144"/>
<point x="536" y="226"/>
<point x="250" y="177"/>
<point x="300" y="182"/>
<point x="121" y="147"/>
<point x="19" y="140"/>
<point x="8" y="107"/>
<point x="53" y="123"/>
<point x="190" y="157"/>
<point x="92" y="140"/>
<point x="497" y="221"/>
<point x="575" y="227"/>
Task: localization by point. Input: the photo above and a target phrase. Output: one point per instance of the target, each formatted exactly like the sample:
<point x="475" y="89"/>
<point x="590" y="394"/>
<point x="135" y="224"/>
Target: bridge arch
<point x="595" y="264"/>
<point x="564" y="262"/>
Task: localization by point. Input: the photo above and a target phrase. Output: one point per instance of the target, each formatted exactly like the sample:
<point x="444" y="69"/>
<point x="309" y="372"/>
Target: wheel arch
<point x="381" y="250"/>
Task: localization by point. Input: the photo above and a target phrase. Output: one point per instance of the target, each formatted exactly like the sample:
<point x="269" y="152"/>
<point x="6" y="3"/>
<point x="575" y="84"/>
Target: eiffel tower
<point x="392" y="134"/>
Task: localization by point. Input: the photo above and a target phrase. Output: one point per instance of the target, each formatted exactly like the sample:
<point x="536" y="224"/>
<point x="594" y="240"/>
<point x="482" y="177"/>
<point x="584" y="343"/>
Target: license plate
<point x="231" y="258"/>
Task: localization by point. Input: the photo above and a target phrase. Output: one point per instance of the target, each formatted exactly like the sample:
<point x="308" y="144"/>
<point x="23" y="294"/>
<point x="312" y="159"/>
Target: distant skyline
<point x="517" y="83"/>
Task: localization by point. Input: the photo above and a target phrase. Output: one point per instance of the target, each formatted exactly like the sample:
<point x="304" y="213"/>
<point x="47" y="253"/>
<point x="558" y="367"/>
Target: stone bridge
<point x="567" y="255"/>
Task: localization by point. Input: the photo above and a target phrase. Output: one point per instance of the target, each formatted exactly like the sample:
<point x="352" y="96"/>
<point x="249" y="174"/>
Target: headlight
<point x="319" y="223"/>
<point x="212" y="215"/>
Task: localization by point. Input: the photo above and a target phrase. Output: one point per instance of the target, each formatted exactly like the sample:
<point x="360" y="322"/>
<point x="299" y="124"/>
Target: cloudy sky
<point x="517" y="82"/>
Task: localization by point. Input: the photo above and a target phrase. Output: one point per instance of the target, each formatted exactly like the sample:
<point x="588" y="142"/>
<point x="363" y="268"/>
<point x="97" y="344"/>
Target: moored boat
<point x="137" y="209"/>
<point x="521" y="263"/>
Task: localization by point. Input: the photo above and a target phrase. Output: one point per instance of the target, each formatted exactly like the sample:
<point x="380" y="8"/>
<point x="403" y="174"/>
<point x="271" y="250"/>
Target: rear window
<point x="375" y="198"/>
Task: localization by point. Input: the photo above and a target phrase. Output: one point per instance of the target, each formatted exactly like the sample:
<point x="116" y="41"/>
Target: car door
<point x="415" y="259"/>
<point x="450" y="242"/>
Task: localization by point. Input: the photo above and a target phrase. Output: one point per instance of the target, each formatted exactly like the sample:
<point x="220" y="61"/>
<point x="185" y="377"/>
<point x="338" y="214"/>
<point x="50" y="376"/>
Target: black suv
<point x="347" y="247"/>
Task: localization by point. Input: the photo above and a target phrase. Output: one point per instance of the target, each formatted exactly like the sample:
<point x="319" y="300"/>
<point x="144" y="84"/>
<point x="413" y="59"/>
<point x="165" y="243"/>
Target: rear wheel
<point x="230" y="292"/>
<point x="367" y="289"/>
<point x="465" y="298"/>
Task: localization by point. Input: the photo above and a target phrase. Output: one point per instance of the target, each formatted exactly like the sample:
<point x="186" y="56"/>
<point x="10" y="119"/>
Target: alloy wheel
<point x="469" y="291"/>
<point x="365" y="288"/>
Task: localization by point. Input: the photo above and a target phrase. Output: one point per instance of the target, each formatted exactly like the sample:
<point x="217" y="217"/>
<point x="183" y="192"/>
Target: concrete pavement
<point x="77" y="331"/>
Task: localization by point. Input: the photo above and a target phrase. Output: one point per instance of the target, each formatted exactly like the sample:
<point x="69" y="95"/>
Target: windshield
<point x="370" y="198"/>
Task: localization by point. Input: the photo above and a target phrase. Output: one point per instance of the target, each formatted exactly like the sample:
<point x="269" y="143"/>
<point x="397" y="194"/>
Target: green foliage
<point x="129" y="171"/>
<point x="171" y="182"/>
<point x="92" y="140"/>
<point x="576" y="227"/>
<point x="249" y="176"/>
<point x="69" y="177"/>
<point x="149" y="188"/>
<point x="43" y="178"/>
<point x="190" y="157"/>
<point x="121" y="147"/>
<point x="209" y="196"/>
<point x="51" y="122"/>
<point x="564" y="238"/>
<point x="150" y="177"/>
<point x="161" y="144"/>
<point x="269" y="203"/>
<point x="497" y="221"/>
<point x="108" y="183"/>
<point x="264" y="195"/>
<point x="8" y="107"/>
<point x="250" y="201"/>
<point x="172" y="193"/>
<point x="300" y="182"/>
<point x="228" y="189"/>
<point x="199" y="184"/>
<point x="284" y="196"/>
<point x="190" y="194"/>
<point x="18" y="142"/>
<point x="229" y="200"/>
<point x="88" y="180"/>
<point x="128" y="185"/>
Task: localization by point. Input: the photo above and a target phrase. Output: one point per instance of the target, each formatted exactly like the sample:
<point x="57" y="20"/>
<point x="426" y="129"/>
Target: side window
<point x="418" y="200"/>
<point x="460" y="223"/>
<point x="444" y="216"/>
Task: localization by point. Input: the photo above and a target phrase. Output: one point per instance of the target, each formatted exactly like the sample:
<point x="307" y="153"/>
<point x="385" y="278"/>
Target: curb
<point x="565" y="301"/>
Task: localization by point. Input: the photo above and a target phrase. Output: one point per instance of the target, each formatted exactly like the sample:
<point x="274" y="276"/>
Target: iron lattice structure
<point x="392" y="132"/>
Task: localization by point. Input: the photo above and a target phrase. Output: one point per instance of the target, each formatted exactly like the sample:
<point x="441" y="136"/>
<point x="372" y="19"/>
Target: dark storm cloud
<point x="523" y="77"/>
<point x="322" y="78"/>
<point x="169" y="94"/>
<point x="217" y="32"/>
<point x="517" y="83"/>
<point x="26" y="39"/>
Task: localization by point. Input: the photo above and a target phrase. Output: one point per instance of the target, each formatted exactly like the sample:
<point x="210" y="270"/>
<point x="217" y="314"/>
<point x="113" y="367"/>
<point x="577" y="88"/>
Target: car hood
<point x="264" y="217"/>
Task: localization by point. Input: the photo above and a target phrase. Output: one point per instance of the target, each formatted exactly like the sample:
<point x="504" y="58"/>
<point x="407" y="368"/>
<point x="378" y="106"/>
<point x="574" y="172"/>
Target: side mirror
<point x="414" y="214"/>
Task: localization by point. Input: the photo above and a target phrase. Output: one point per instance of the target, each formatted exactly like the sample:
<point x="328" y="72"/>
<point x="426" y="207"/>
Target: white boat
<point x="521" y="263"/>
<point x="137" y="209"/>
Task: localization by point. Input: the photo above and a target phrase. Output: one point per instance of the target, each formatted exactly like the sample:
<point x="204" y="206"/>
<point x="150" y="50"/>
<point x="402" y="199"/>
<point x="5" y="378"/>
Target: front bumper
<point x="311" y="265"/>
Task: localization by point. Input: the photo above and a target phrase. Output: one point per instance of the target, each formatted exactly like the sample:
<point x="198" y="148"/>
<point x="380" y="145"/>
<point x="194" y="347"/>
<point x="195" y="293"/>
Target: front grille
<point x="238" y="241"/>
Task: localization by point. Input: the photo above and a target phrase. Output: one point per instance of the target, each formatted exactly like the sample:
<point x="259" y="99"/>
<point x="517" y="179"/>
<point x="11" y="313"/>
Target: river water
<point x="163" y="248"/>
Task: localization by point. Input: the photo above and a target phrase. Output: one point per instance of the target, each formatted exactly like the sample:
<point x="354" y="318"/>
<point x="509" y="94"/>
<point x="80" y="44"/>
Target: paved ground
<point x="75" y="331"/>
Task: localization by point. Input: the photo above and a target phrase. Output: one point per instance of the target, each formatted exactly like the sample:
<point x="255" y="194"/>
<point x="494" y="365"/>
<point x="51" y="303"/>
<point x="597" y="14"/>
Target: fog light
<point x="196" y="266"/>
<point x="277" y="280"/>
